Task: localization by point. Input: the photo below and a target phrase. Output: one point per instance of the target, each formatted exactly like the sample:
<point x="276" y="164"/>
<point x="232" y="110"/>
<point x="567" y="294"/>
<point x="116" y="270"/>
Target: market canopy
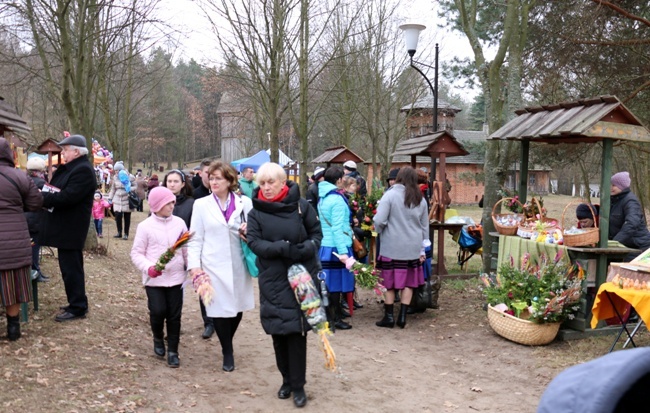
<point x="11" y="121"/>
<point x="258" y="159"/>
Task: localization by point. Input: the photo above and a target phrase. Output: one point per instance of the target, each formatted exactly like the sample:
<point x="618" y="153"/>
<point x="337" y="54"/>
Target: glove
<point x="153" y="272"/>
<point x="306" y="250"/>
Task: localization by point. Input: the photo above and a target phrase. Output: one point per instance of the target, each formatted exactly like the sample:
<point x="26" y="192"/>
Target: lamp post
<point x="411" y="36"/>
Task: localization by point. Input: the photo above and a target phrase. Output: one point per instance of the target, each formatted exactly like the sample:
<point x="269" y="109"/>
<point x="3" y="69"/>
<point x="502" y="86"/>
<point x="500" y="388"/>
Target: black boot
<point x="159" y="347"/>
<point x="338" y="314"/>
<point x="389" y="319"/>
<point x="13" y="328"/>
<point x="401" y="318"/>
<point x="172" y="360"/>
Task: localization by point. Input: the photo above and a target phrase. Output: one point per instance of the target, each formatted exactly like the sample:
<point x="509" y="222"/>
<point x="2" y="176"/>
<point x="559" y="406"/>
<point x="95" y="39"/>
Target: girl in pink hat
<point x="164" y="288"/>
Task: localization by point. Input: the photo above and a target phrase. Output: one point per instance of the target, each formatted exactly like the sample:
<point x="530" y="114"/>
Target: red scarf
<point x="279" y="197"/>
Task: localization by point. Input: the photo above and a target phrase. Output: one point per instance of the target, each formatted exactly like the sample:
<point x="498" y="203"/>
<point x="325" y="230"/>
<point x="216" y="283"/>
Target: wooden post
<point x="523" y="171"/>
<point x="605" y="204"/>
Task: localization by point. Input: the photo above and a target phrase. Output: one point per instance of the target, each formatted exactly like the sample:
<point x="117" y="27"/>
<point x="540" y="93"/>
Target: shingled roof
<point x="585" y="120"/>
<point x="337" y="154"/>
<point x="10" y="120"/>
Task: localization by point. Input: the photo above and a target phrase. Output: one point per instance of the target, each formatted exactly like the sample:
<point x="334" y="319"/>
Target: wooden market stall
<point x="12" y="126"/>
<point x="438" y="146"/>
<point x="335" y="155"/>
<point x="602" y="119"/>
<point x="51" y="148"/>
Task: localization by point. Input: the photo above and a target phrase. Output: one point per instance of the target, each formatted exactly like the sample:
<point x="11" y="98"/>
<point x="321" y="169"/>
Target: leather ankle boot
<point x="389" y="318"/>
<point x="401" y="318"/>
<point x="13" y="328"/>
<point x="159" y="347"/>
<point x="172" y="360"/>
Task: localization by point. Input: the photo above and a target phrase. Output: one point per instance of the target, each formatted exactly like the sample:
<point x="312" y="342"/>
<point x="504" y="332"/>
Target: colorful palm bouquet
<point x="366" y="276"/>
<point x="168" y="255"/>
<point x="312" y="307"/>
<point x="200" y="280"/>
<point x="370" y="208"/>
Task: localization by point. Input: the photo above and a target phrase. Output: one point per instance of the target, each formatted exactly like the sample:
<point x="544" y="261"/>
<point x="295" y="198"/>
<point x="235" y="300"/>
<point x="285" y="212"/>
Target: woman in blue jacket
<point x="334" y="215"/>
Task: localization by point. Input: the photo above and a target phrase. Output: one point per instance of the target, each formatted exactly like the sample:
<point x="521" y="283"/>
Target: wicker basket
<point x="504" y="229"/>
<point x="588" y="237"/>
<point x="525" y="231"/>
<point x="521" y="331"/>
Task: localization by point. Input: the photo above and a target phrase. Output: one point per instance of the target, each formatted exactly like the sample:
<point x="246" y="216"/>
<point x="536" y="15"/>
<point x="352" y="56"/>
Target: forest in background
<point x="329" y="72"/>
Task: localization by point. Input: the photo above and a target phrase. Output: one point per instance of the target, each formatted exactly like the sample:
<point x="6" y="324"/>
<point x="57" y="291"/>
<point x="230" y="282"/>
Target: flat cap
<point x="350" y="165"/>
<point x="74" y="140"/>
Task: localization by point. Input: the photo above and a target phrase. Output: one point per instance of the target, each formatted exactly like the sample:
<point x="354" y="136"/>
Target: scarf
<point x="279" y="197"/>
<point x="230" y="205"/>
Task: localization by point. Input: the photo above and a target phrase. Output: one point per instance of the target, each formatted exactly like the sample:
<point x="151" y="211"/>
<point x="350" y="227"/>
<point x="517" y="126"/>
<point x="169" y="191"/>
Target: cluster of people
<point x="225" y="211"/>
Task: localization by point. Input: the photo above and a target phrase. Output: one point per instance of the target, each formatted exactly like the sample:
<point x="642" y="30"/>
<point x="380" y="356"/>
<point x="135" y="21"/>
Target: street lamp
<point x="411" y="35"/>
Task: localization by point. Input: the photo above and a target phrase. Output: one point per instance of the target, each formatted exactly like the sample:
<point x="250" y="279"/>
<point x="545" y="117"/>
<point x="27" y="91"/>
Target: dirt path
<point x="445" y="360"/>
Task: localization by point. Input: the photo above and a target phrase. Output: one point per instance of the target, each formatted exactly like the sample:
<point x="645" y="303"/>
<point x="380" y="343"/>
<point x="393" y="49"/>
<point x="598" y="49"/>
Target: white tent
<point x="284" y="159"/>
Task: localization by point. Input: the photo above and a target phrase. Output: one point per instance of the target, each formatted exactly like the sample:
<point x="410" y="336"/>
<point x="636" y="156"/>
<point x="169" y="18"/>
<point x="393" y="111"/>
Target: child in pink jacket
<point x="99" y="204"/>
<point x="164" y="290"/>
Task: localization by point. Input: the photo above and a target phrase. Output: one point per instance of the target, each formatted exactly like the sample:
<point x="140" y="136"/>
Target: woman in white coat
<point x="215" y="248"/>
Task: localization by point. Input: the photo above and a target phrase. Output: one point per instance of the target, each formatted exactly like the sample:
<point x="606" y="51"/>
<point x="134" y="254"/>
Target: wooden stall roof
<point x="10" y="120"/>
<point x="585" y="120"/>
<point x="49" y="145"/>
<point x="337" y="154"/>
<point x="431" y="145"/>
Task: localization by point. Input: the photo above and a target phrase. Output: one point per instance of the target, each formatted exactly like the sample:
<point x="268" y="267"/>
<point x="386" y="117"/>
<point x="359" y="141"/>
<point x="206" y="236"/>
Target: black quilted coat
<point x="281" y="236"/>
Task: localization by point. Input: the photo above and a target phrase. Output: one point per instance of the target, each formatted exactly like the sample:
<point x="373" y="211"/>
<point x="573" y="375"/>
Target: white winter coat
<point x="216" y="248"/>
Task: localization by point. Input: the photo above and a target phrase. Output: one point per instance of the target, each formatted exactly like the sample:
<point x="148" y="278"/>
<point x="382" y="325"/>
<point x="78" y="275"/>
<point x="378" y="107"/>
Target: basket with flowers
<point x="527" y="303"/>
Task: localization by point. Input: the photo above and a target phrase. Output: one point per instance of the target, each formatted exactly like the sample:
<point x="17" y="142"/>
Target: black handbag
<point x="134" y="200"/>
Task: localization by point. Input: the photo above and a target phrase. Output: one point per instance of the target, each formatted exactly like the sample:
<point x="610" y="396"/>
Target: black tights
<point x="127" y="222"/>
<point x="226" y="328"/>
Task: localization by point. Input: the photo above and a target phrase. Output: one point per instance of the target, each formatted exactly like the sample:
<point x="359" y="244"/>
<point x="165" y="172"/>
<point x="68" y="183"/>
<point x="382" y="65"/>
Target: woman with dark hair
<point x="403" y="224"/>
<point x="175" y="181"/>
<point x="216" y="249"/>
<point x="334" y="214"/>
<point x="283" y="230"/>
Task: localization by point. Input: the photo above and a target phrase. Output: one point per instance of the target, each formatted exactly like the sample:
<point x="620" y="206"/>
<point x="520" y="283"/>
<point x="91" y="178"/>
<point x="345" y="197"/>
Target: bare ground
<point x="445" y="360"/>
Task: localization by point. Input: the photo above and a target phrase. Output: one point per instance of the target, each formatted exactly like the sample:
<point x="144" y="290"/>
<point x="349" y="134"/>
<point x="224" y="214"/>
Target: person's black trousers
<point x="226" y="329"/>
<point x="71" y="264"/>
<point x="166" y="304"/>
<point x="127" y="222"/>
<point x="291" y="358"/>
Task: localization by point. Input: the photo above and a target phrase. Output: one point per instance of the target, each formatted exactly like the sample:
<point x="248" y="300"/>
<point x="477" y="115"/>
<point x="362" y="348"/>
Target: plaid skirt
<point x="16" y="286"/>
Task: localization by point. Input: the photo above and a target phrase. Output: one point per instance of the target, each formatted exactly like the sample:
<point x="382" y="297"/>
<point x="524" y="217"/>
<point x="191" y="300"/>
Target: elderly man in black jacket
<point x="66" y="224"/>
<point x="627" y="223"/>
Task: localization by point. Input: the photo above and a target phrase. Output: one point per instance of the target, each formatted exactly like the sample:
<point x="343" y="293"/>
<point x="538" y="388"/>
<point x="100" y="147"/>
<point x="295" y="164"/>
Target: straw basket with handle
<point x="587" y="236"/>
<point x="521" y="331"/>
<point x="506" y="229"/>
<point x="528" y="226"/>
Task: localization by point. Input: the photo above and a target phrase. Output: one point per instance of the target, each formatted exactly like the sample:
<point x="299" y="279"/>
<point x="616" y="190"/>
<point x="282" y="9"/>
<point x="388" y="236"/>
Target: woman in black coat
<point x="627" y="223"/>
<point x="283" y="230"/>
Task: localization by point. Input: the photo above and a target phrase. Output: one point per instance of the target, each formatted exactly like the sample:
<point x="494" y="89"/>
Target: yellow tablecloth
<point x="511" y="245"/>
<point x="602" y="309"/>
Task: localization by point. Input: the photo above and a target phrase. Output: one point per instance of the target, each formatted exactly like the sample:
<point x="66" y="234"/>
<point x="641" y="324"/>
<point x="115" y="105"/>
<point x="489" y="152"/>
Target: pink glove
<point x="153" y="272"/>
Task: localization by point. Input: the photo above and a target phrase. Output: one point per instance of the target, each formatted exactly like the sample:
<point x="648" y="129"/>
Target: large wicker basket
<point x="588" y="237"/>
<point x="504" y="229"/>
<point x="521" y="331"/>
<point x="526" y="230"/>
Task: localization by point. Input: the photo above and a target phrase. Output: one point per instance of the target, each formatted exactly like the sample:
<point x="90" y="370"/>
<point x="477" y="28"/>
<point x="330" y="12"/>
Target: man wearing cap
<point x="350" y="168"/>
<point x="627" y="223"/>
<point x="312" y="191"/>
<point x="65" y="225"/>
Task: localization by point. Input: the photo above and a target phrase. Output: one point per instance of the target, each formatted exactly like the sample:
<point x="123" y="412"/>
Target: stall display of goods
<point x="509" y="220"/>
<point x="628" y="283"/>
<point x="541" y="231"/>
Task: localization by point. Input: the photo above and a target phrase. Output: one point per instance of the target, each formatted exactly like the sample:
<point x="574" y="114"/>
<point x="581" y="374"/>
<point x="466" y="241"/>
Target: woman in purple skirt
<point x="402" y="222"/>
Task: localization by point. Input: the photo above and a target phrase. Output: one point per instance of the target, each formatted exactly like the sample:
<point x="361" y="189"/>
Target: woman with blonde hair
<point x="283" y="229"/>
<point x="216" y="249"/>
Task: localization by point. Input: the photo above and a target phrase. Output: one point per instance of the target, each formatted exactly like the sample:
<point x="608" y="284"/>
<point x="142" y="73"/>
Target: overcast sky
<point x="199" y="44"/>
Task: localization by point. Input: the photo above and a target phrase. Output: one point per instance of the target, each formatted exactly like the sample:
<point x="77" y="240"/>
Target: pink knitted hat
<point x="159" y="197"/>
<point x="621" y="180"/>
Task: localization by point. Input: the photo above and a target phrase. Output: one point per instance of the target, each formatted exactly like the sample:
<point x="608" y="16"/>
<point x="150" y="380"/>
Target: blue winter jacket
<point x="334" y="216"/>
